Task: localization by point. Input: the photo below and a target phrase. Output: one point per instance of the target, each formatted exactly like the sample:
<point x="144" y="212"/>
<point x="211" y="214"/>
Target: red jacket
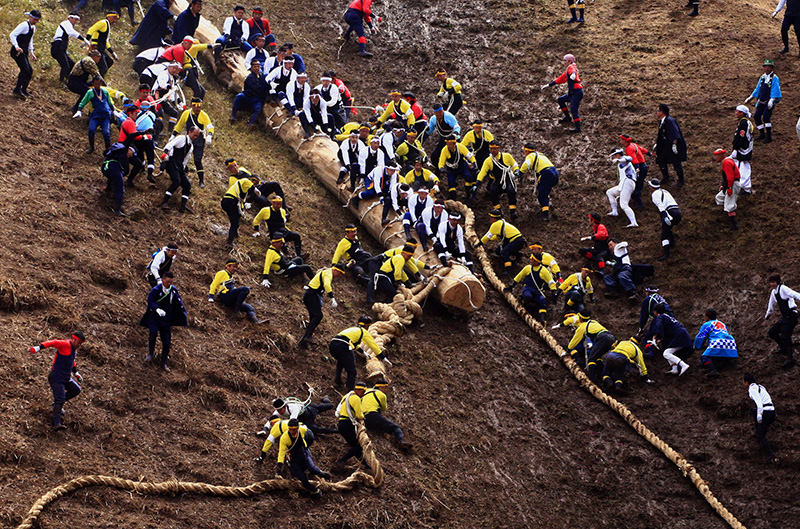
<point x="175" y="53"/>
<point x="128" y="128"/>
<point x="564" y="77"/>
<point x="600" y="232"/>
<point x="730" y="173"/>
<point x="365" y="6"/>
<point x="264" y="23"/>
<point x="636" y="152"/>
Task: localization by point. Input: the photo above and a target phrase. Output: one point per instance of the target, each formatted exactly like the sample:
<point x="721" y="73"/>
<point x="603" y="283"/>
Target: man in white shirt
<point x="177" y="153"/>
<point x="22" y="49"/>
<point x="235" y="33"/>
<point x="58" y="48"/>
<point x="785" y="299"/>
<point x="625" y="188"/>
<point x="764" y="414"/>
<point x="670" y="215"/>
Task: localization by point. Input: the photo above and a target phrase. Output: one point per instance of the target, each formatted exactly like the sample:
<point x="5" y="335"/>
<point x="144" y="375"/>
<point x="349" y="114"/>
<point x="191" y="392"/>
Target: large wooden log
<point x="459" y="288"/>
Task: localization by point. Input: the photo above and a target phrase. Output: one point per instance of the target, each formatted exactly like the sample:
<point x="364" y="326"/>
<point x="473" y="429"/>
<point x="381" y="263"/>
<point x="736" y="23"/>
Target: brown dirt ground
<point x="504" y="436"/>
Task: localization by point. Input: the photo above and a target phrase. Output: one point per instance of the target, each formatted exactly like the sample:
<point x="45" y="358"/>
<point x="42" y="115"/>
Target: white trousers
<point x="744" y="175"/>
<point x="728" y="202"/>
<point x="623" y="191"/>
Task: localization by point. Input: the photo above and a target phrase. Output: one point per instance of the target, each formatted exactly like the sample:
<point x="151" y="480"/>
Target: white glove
<point x="436" y="188"/>
<point x="266" y="283"/>
<point x="78" y="376"/>
<point x="36" y="348"/>
<point x="440" y="95"/>
<point x="161" y="313"/>
<point x="668" y="220"/>
<point x="675" y="148"/>
<point x="586" y="238"/>
<point x="387" y="362"/>
<point x="748" y="99"/>
<point x="654" y="149"/>
<point x="556" y="326"/>
<point x="544" y="86"/>
<point x="758" y="419"/>
<point x="77" y="114"/>
<point x="257" y="234"/>
<point x="334" y="304"/>
<point x="114" y="54"/>
<point x="771" y="103"/>
<point x="248" y="205"/>
<point x="298" y="112"/>
<point x="209" y="139"/>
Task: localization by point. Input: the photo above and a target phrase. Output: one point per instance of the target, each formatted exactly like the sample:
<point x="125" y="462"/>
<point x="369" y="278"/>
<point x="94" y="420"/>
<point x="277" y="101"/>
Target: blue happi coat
<point x="720" y="343"/>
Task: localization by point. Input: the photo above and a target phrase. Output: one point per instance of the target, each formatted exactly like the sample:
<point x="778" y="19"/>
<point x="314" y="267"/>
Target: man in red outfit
<point x="60" y="377"/>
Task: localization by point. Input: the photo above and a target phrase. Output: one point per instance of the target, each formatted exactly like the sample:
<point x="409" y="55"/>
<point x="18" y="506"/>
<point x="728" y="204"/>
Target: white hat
<point x="744" y="110"/>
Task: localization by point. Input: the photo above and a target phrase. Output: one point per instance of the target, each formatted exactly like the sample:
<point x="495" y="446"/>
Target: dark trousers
<point x="497" y="189"/>
<point x="509" y="249"/>
<point x="116" y="183"/>
<point x="266" y="189"/>
<point x="767" y="418"/>
<point x="573" y="302"/>
<point x="62" y="392"/>
<point x="199" y="148"/>
<point x="594" y="361"/>
<point x="620" y="279"/>
<point x="470" y="181"/>
<point x="77" y="85"/>
<point x="58" y="51"/>
<point x="354" y="20"/>
<point x="641" y="178"/>
<point x="177" y="174"/>
<point x="384" y="284"/>
<point x="309" y="418"/>
<point x="299" y="466"/>
<point x="166" y="340"/>
<point x="763" y="115"/>
<point x="781" y="333"/>
<point x="534" y="301"/>
<point x="667" y="239"/>
<point x="574" y="101"/>
<point x="244" y="101"/>
<point x="377" y="422"/>
<point x="455" y="103"/>
<point x="192" y="80"/>
<point x="787" y="23"/>
<point x="596" y="255"/>
<point x="105" y="63"/>
<point x="345" y="360"/>
<point x="290" y="236"/>
<point x="145" y="152"/>
<point x="25" y="70"/>
<point x="548" y="179"/>
<point x="348" y="431"/>
<point x="614" y="367"/>
<point x="231" y="207"/>
<point x="296" y="268"/>
<point x="664" y="166"/>
<point x="313" y="302"/>
<point x="234" y="299"/>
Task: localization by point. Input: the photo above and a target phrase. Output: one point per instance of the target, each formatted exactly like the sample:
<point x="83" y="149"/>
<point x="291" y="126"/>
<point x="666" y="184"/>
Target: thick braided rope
<point x="173" y="487"/>
<point x="686" y="468"/>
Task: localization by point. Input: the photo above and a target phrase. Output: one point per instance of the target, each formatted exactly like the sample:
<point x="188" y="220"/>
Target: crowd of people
<point x="385" y="158"/>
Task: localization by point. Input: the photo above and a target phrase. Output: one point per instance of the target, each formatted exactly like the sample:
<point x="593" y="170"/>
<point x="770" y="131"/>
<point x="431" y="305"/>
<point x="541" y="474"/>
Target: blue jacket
<point x="720" y="344"/>
<point x="154" y="25"/>
<point x="774" y="88"/>
<point x="672" y="333"/>
<point x="185" y="24"/>
<point x="170" y="302"/>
